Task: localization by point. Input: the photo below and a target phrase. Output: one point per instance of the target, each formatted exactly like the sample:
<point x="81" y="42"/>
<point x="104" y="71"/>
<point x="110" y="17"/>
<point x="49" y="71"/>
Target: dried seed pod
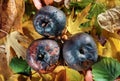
<point x="110" y="19"/>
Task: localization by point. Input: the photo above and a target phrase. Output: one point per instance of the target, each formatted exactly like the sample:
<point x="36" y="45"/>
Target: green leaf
<point x="80" y="4"/>
<point x="20" y="66"/>
<point x="107" y="69"/>
<point x="95" y="10"/>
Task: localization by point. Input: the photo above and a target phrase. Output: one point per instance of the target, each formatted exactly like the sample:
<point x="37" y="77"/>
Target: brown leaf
<point x="11" y="12"/>
<point x="7" y="15"/>
<point x="61" y="76"/>
<point x="20" y="7"/>
<point x="4" y="68"/>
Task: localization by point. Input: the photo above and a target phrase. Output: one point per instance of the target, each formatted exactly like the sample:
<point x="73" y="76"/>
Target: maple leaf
<point x="73" y="24"/>
<point x="111" y="47"/>
<point x="13" y="41"/>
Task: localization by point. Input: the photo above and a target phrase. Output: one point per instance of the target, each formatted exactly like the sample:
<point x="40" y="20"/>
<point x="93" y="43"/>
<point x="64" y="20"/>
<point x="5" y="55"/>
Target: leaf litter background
<point x="17" y="32"/>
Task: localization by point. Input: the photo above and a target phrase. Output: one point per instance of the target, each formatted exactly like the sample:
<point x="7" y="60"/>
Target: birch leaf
<point x="13" y="41"/>
<point x="74" y="23"/>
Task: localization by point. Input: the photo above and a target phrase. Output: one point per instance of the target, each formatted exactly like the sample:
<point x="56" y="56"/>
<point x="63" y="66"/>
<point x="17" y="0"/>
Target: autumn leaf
<point x="46" y="77"/>
<point x="29" y="31"/>
<point x="74" y="23"/>
<point x="1" y="77"/>
<point x="20" y="8"/>
<point x="111" y="47"/>
<point x="73" y="75"/>
<point x="67" y="74"/>
<point x="8" y="14"/>
<point x="35" y="76"/>
<point x="117" y="2"/>
<point x="5" y="71"/>
<point x="18" y="77"/>
<point x="11" y="12"/>
<point x="13" y="41"/>
<point x="58" y="69"/>
<point x="61" y="76"/>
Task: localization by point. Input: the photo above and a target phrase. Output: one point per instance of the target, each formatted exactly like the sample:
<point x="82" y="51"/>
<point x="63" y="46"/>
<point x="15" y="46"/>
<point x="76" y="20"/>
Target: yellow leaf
<point x="13" y="41"/>
<point x="46" y="77"/>
<point x="74" y="23"/>
<point x="115" y="47"/>
<point x="110" y="49"/>
<point x="1" y="77"/>
<point x="100" y="48"/>
<point x="110" y="3"/>
<point x="35" y="76"/>
<point x="17" y="77"/>
<point x="58" y="69"/>
<point x="109" y="34"/>
<point x="29" y="30"/>
<point x="73" y="75"/>
<point x="67" y="74"/>
<point x="117" y="2"/>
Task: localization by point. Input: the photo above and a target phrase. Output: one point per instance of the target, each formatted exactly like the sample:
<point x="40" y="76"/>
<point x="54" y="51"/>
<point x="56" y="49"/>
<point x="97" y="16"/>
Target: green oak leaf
<point x="20" y="66"/>
<point x="107" y="69"/>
